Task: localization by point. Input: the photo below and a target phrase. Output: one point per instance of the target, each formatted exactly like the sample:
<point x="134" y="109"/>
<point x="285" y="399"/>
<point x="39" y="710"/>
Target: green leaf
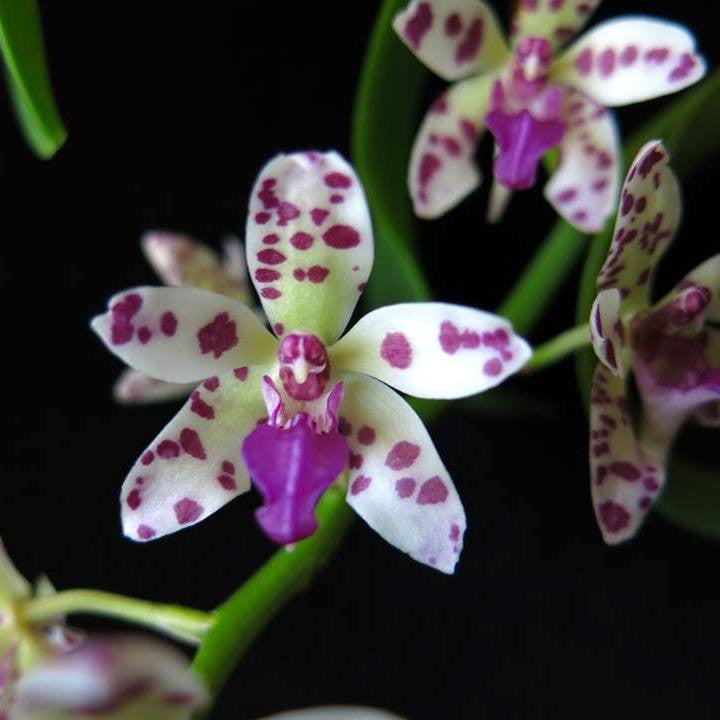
<point x="385" y="121"/>
<point x="689" y="129"/>
<point x="21" y="43"/>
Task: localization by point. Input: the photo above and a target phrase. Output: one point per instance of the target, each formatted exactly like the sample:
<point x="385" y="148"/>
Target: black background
<point x="172" y="108"/>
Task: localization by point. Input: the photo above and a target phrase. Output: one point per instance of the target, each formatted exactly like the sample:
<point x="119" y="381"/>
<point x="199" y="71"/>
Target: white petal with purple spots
<point x="647" y="219"/>
<point x="309" y="242"/>
<point x="432" y="350"/>
<point x="625" y="478"/>
<point x="183" y="334"/>
<point x="397" y="482"/>
<point x="629" y="60"/>
<point x="584" y="187"/>
<point x="442" y="165"/>
<point x="556" y="20"/>
<point x="194" y="466"/>
<point x="454" y="38"/>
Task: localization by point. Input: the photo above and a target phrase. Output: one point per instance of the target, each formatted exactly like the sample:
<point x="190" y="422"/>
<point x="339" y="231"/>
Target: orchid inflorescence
<point x="287" y="400"/>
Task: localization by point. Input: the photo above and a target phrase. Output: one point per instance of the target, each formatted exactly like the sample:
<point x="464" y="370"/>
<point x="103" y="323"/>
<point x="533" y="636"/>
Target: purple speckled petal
<point x="557" y="21"/>
<point x="292" y="467"/>
<point x="454" y="39"/>
<point x="120" y="678"/>
<point x="584" y="188"/>
<point x="627" y="60"/>
<point x="521" y="141"/>
<point x="646" y="222"/>
<point x="627" y="475"/>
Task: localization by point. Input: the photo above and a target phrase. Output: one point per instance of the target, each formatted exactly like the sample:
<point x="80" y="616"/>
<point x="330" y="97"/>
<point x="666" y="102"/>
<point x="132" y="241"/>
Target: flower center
<point x="530" y="69"/>
<point x="304" y="366"/>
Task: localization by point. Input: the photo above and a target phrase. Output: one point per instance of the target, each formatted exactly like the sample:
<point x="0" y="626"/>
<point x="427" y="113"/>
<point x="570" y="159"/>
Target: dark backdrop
<point x="172" y="108"/>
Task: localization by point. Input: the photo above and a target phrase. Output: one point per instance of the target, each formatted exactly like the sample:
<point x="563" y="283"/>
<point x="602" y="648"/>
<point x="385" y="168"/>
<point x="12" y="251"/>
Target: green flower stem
<point x="559" y="347"/>
<point x="540" y="281"/>
<point x="244" y="615"/>
<point x="183" y="623"/>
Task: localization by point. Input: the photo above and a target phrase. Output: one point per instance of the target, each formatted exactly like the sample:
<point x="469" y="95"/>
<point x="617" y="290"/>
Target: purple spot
<point x="318" y="215"/>
<point x="366" y="435"/>
<point x="147" y="457"/>
<point x="396" y="350"/>
<point x="625" y="470"/>
<point x="168" y="449"/>
<point x="337" y="180"/>
<point x="191" y="443"/>
<point x="419" y="25"/>
<point x="302" y="240"/>
<point x="432" y="492"/>
<point x="341" y="237"/>
<point x="145" y="532"/>
<point x="470" y="44"/>
<point x="361" y="482"/>
<point x="212" y="384"/>
<point x="241" y="373"/>
<point x="402" y="455"/>
<point x="219" y="336"/>
<point x="613" y="516"/>
<point x="405" y="487"/>
<point x="493" y="367"/>
<point x="200" y="407"/>
<point x="133" y="499"/>
<point x="271" y="256"/>
<point x="227" y="482"/>
<point x="168" y="323"/>
<point x="187" y="511"/>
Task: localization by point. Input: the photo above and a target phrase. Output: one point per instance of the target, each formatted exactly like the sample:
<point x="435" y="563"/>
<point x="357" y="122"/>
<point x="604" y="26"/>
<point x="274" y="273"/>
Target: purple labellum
<point x="521" y="140"/>
<point x="292" y="467"/>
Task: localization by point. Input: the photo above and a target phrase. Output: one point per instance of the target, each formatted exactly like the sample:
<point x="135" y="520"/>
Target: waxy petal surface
<point x="292" y="467"/>
<point x="432" y="350"/>
<point x="454" y="38"/>
<point x="136" y="388"/>
<point x="629" y="60"/>
<point x="584" y="188"/>
<point x="606" y="330"/>
<point x="183" y="262"/>
<point x="442" y="165"/>
<point x="556" y="20"/>
<point x="183" y="334"/>
<point x="309" y="242"/>
<point x="397" y="482"/>
<point x="625" y="478"/>
<point x="647" y="219"/>
<point x="194" y="466"/>
<point x="121" y="678"/>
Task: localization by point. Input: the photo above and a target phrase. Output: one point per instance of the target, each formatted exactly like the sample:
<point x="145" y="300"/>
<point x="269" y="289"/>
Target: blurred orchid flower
<point x="533" y="100"/>
<point x="182" y="262"/>
<point x="339" y="712"/>
<point x="50" y="672"/>
<point x="310" y="251"/>
<point x="670" y="347"/>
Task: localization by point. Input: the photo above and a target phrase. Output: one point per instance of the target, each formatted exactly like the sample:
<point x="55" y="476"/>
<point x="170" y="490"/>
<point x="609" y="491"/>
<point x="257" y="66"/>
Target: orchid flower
<point x="50" y="672"/>
<point x="182" y="262"/>
<point x="673" y="353"/>
<point x="532" y="99"/>
<point x="307" y="408"/>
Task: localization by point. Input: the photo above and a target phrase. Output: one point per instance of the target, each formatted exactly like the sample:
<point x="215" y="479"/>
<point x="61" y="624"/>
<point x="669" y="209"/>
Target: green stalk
<point x="559" y="347"/>
<point x="183" y="623"/>
<point x="246" y="613"/>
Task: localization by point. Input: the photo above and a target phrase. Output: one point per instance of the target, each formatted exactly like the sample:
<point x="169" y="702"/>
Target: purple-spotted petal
<point x="121" y="678"/>
<point x="194" y="466"/>
<point x="626" y="477"/>
<point x="584" y="187"/>
<point x="629" y="60"/>
<point x="397" y="482"/>
<point x="521" y="140"/>
<point x="335" y="712"/>
<point x="556" y="20"/>
<point x="309" y="242"/>
<point x="136" y="388"/>
<point x="442" y="165"/>
<point x="183" y="262"/>
<point x="292" y="466"/>
<point x="183" y="334"/>
<point x="454" y="38"/>
<point x="433" y="350"/>
<point x="607" y="332"/>
<point x="647" y="219"/>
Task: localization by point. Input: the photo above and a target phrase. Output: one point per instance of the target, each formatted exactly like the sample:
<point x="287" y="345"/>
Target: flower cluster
<point x="670" y="347"/>
<point x="322" y="403"/>
<point x="532" y="99"/>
